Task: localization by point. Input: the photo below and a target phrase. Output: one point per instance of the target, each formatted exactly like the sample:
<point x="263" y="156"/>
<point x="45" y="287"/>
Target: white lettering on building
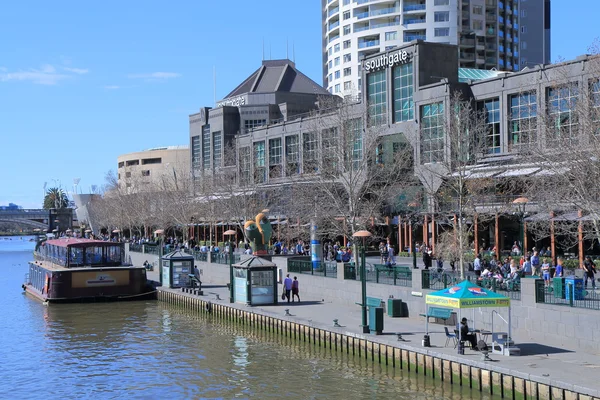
<point x="386" y="60"/>
<point x="234" y="101"/>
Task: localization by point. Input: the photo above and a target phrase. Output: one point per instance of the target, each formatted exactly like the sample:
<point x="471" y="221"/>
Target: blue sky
<point x="83" y="82"/>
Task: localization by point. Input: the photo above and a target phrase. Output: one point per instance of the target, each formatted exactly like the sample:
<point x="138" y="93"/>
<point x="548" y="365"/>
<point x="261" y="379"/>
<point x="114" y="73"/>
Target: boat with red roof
<point x="75" y="269"/>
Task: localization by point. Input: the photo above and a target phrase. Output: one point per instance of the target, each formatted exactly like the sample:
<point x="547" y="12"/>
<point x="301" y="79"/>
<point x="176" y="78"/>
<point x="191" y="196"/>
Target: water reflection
<point x="151" y="350"/>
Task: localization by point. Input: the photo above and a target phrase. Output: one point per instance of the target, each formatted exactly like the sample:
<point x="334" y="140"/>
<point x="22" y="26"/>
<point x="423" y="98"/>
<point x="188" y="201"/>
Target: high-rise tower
<point x="486" y="31"/>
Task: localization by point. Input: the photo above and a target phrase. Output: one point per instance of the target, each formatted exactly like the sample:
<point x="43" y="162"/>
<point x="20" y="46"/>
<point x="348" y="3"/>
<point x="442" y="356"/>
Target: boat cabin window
<point x="114" y="254"/>
<point x="75" y="256"/>
<point x="93" y="255"/>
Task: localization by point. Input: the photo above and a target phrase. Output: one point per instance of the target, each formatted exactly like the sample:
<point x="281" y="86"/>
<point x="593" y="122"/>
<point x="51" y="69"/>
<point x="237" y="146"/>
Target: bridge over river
<point x="47" y="220"/>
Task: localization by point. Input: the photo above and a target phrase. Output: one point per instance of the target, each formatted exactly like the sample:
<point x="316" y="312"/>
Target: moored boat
<point x="74" y="269"/>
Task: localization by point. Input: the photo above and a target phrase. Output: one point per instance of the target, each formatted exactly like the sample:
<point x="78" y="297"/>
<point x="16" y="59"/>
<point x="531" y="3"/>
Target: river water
<point x="149" y="350"/>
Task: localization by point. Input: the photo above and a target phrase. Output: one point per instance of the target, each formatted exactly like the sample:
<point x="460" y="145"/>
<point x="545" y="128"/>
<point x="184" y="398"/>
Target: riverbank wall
<point x="505" y="379"/>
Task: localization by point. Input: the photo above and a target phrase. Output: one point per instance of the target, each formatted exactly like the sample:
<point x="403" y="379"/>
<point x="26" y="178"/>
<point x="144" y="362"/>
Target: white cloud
<point x="112" y="87"/>
<point x="45" y="75"/>
<point x="155" y="75"/>
<point x="78" y="71"/>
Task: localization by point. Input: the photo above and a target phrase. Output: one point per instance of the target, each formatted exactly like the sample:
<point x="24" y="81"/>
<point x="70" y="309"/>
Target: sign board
<point x="387" y="60"/>
<point x="233" y="101"/>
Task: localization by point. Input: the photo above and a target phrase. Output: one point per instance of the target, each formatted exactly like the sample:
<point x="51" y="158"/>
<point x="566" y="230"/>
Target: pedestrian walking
<point x="295" y="289"/>
<point x="287" y="286"/>
<point x="535" y="263"/>
<point x="590" y="270"/>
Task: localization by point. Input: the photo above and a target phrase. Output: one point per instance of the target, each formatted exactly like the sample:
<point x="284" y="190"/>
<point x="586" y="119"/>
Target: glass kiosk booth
<point x="176" y="269"/>
<point x="255" y="282"/>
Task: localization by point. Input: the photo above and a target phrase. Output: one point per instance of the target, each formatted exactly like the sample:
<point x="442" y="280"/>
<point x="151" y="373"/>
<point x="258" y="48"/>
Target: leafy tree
<point x="55" y="198"/>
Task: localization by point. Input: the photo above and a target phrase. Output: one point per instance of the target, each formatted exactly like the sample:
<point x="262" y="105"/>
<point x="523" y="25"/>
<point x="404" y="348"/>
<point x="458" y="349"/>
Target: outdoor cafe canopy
<point x="466" y="295"/>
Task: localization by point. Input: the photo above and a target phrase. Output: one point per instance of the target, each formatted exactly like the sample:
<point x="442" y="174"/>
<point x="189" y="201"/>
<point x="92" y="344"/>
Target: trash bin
<point x="376" y="320"/>
<point x="574" y="288"/>
<point x="394" y="308"/>
<point x="425" y="279"/>
<point x="349" y="271"/>
<point x="558" y="287"/>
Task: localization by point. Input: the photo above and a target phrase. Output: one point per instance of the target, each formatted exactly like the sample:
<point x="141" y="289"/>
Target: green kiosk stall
<point x="176" y="269"/>
<point x="255" y="282"/>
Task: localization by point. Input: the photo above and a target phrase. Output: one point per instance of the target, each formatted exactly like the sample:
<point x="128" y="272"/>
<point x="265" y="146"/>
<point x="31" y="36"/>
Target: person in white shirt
<point x="477" y="265"/>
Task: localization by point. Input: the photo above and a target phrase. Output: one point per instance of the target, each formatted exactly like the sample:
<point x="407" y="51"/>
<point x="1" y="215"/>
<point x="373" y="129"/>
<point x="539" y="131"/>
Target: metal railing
<point x="568" y="293"/>
<point x="397" y="275"/>
<point x="138" y="248"/>
<point x="223" y="258"/>
<point x="508" y="288"/>
<point x="326" y="269"/>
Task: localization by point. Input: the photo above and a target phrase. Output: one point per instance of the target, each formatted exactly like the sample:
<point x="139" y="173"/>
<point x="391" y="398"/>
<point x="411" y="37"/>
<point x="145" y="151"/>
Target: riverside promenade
<point x="540" y="372"/>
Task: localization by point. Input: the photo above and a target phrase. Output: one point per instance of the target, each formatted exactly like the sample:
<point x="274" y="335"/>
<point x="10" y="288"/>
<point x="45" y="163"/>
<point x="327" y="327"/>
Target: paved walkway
<point x="542" y="363"/>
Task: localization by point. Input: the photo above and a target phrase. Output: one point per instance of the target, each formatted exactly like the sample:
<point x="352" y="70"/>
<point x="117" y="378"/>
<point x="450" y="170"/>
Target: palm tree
<point x="55" y="198"/>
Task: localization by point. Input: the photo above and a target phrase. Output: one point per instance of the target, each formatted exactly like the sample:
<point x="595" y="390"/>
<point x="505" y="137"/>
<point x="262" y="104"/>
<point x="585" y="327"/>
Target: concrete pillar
<point x="399" y="235"/>
<point x="580" y="238"/>
<point x="552" y="241"/>
<point x="410" y="238"/>
<point x="425" y="230"/>
<point x="497" y="236"/>
<point x="406" y="235"/>
<point x="476" y="233"/>
<point x="433" y="233"/>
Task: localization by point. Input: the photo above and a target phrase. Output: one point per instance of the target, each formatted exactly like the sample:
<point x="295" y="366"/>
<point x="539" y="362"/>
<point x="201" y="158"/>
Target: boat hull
<point x="87" y="284"/>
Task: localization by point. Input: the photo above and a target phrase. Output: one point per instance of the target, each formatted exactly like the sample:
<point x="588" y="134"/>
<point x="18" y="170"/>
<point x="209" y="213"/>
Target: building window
<point x="337" y="88"/>
<point x="336" y="61"/>
<point x="330" y="64"/>
<point x="217" y="148"/>
<point x="432" y="133"/>
<point x="348" y="71"/>
<point x="309" y="152"/>
<point x="121" y="164"/>
<point x="523" y="29"/>
<point x="522" y="127"/>
<point x="147" y="161"/>
<point x="403" y="93"/>
<point x="391" y="36"/>
<point x="347" y="44"/>
<point x="477" y="24"/>
<point x="492" y="119"/>
<point x="292" y="155"/>
<point x="330" y="51"/>
<point x="132" y="162"/>
<point x="478" y="10"/>
<point x="347" y="85"/>
<point x="196" y="152"/>
<point x="146" y="172"/>
<point x="206" y="146"/>
<point x="336" y="47"/>
<point x="347" y="57"/>
<point x="441" y="2"/>
<point x="346" y="29"/>
<point x="330" y="145"/>
<point x="595" y="93"/>
<point x="275" y="158"/>
<point x="377" y="97"/>
<point x="259" y="162"/>
<point x="330" y="78"/>
<point x="346" y="15"/>
<point x="441" y="16"/>
<point x="356" y="129"/>
<point x="337" y="74"/>
<point x="562" y="102"/>
<point x="244" y="156"/>
<point x="441" y="32"/>
<point x="250" y="124"/>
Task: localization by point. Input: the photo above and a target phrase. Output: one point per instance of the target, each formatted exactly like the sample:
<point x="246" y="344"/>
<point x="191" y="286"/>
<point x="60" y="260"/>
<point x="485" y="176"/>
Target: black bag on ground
<point x="482" y="346"/>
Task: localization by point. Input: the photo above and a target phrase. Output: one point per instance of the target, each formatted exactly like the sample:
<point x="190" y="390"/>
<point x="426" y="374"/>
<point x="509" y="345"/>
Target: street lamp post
<point x="521" y="203"/>
<point x="158" y="233"/>
<point x="413" y="222"/>
<point x="230" y="233"/>
<point x="363" y="279"/>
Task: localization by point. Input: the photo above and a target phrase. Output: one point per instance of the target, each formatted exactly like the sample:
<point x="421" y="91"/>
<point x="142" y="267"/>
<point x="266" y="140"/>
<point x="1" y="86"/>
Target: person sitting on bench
<point x="465" y="335"/>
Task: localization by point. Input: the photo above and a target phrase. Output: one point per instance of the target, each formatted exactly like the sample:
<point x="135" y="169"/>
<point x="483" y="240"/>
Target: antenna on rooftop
<point x="263" y="56"/>
<point x="294" y="52"/>
<point x="287" y="48"/>
<point x="214" y="85"/>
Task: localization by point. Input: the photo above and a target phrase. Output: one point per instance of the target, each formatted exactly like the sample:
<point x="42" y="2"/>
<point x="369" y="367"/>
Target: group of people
<point x="387" y="254"/>
<point x="291" y="289"/>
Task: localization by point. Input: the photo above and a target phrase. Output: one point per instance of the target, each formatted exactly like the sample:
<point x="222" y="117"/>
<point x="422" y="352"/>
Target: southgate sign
<point x="234" y="101"/>
<point x="386" y="60"/>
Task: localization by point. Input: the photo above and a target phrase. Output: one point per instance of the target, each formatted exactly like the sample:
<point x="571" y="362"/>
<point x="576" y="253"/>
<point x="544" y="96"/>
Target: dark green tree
<point x="55" y="198"/>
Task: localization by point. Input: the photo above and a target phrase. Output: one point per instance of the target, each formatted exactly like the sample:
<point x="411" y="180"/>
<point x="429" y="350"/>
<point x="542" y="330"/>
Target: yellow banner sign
<point x="99" y="278"/>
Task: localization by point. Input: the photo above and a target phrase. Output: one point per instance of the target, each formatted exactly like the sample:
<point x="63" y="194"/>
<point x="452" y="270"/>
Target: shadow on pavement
<point x="534" y="349"/>
<point x="298" y="303"/>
